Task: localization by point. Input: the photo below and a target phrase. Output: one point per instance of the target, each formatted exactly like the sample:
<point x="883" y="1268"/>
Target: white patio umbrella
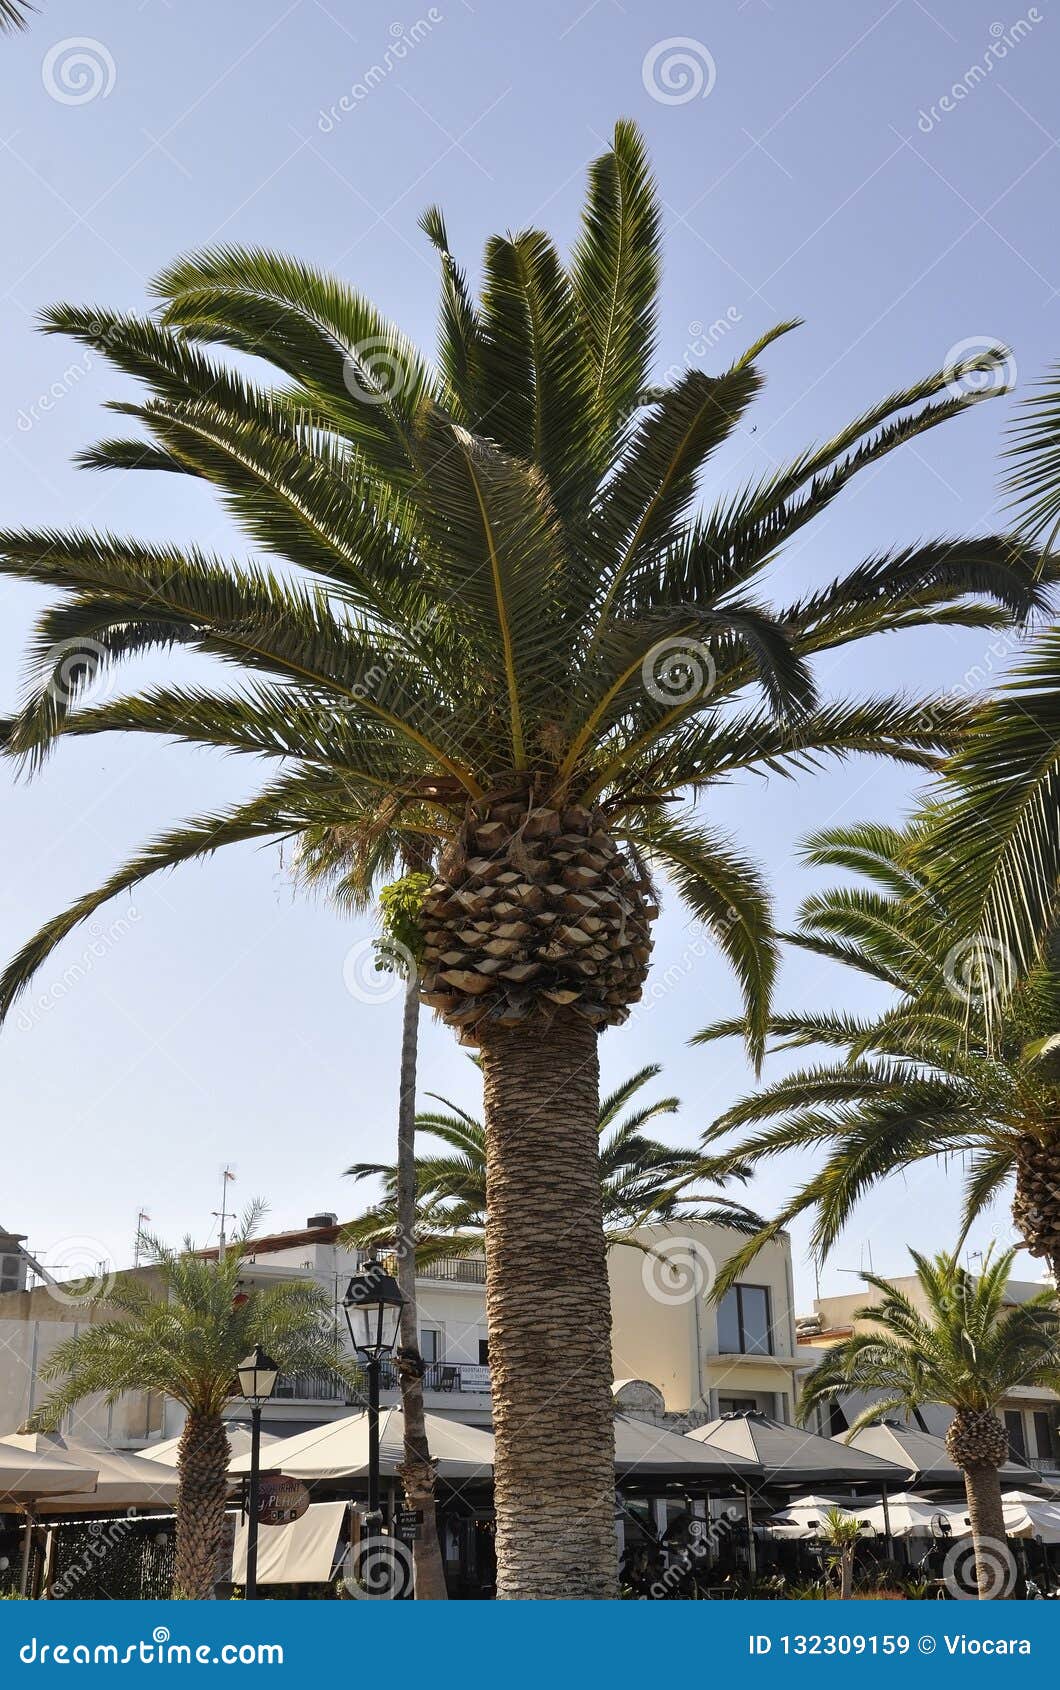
<point x="29" y="1477"/>
<point x="121" y="1481"/>
<point x="339" y="1450"/>
<point x="238" y="1442"/>
<point x="804" y="1516"/>
<point x="916" y="1516"/>
<point x="1028" y="1516"/>
<point x="26" y="1477"/>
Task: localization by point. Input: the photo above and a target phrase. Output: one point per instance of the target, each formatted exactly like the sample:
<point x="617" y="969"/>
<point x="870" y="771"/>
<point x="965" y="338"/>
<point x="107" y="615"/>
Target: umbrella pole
<point x="752" y="1558"/>
<point x="27" y="1549"/>
<point x="886" y="1522"/>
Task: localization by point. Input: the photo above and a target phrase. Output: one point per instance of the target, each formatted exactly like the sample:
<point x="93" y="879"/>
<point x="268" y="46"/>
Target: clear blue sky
<point x="811" y="180"/>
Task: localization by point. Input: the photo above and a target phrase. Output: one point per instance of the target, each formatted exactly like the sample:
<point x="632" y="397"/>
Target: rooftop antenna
<point x="137" y="1247"/>
<point x="224" y="1213"/>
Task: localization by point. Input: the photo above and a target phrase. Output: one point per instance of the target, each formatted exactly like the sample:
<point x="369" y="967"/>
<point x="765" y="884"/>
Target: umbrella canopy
<point x="122" y="1481"/>
<point x="788" y="1455"/>
<point x="339" y="1450"/>
<point x="804" y="1516"/>
<point x="924" y="1457"/>
<point x="238" y="1443"/>
<point x="26" y="1477"/>
<point x="1027" y="1516"/>
<point x="643" y="1448"/>
<point x="915" y="1516"/>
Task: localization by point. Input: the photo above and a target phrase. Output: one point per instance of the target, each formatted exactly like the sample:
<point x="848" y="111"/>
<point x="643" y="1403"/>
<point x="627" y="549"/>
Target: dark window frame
<point x="737" y="1291"/>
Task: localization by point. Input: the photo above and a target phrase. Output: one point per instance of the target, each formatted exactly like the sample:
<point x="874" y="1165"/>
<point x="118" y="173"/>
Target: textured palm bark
<point x="995" y="1571"/>
<point x="417" y="1470"/>
<point x="202" y="1469"/>
<point x="549" y="1315"/>
<point x="1036" y="1203"/>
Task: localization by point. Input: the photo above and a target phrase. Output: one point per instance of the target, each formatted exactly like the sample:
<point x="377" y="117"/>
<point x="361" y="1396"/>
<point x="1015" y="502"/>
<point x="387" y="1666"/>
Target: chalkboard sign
<point x="407" y="1523"/>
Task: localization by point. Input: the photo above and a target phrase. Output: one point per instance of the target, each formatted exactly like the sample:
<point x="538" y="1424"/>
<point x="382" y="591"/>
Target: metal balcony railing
<point x="454" y="1270"/>
<point x="442" y="1376"/>
<point x="309" y="1387"/>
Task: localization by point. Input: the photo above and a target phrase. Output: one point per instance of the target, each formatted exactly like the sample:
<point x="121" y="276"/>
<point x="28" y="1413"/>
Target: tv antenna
<point x="224" y="1213"/>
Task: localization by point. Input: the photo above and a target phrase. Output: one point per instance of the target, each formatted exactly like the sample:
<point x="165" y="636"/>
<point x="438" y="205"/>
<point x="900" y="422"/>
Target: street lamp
<point x="257" y="1381"/>
<point x="373" y="1306"/>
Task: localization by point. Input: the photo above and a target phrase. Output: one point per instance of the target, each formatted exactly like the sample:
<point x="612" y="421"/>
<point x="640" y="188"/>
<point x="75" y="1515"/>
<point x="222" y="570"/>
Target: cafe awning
<point x="339" y="1449"/>
<point x="789" y="1455"/>
<point x="121" y="1481"/>
<point x="924" y="1458"/>
<point x="238" y="1443"/>
<point x="300" y="1552"/>
<point x="642" y="1448"/>
<point x="27" y="1478"/>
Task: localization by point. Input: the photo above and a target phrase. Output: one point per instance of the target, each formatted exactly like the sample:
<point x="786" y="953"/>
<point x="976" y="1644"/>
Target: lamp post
<point x="373" y="1306"/>
<point x="257" y="1381"/>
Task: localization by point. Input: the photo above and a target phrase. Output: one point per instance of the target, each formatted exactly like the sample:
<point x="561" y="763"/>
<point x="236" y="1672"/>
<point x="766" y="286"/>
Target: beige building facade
<point x="677" y="1356"/>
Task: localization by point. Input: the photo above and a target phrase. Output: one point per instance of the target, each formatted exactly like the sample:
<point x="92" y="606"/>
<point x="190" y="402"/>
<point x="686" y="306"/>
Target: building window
<point x="430" y="1346"/>
<point x="737" y="1405"/>
<point x="743" y="1322"/>
<point x="1017" y="1442"/>
<point x="1043" y="1435"/>
<point x="483" y="1352"/>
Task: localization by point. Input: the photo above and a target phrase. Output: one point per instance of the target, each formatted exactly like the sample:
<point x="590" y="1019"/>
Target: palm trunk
<point x="846" y="1575"/>
<point x="549" y="1315"/>
<point x="995" y="1573"/>
<point x="202" y="1469"/>
<point x="417" y="1470"/>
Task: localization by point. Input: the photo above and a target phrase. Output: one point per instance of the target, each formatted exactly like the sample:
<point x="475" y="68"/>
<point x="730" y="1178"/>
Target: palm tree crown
<point x="945" y="1070"/>
<point x="643" y="1179"/>
<point x="504" y="592"/>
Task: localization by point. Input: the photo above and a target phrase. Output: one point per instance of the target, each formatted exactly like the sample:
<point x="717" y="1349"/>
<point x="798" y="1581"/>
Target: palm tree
<point x="350" y="865"/>
<point x="183" y="1332"/>
<point x="968" y="1350"/>
<point x="1002" y="790"/>
<point x="642" y="1179"/>
<point x="932" y="1076"/>
<point x="509" y="632"/>
<point x="840" y="1533"/>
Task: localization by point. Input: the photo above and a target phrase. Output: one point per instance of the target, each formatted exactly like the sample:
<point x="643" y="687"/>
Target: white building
<point x="677" y="1356"/>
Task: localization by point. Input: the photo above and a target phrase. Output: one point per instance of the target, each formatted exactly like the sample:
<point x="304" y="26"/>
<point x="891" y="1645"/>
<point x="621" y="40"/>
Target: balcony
<point x="445" y="1376"/>
<point x="451" y="1270"/>
<point x="309" y="1387"/>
